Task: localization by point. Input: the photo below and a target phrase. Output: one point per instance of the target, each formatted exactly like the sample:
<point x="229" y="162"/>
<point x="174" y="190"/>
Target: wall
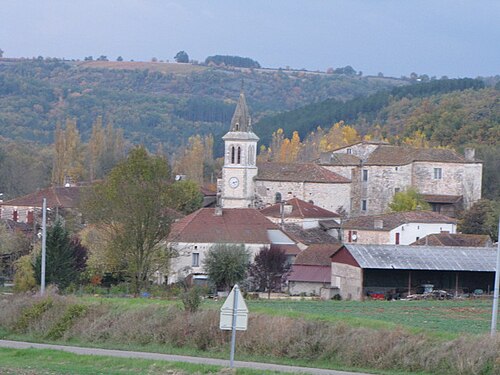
<point x="361" y="150"/>
<point x="181" y="266"/>
<point x="408" y="233"/>
<point x="349" y="280"/>
<point x="329" y="196"/>
<point x="374" y="237"/>
<point x="457" y="179"/>
<point x="297" y="288"/>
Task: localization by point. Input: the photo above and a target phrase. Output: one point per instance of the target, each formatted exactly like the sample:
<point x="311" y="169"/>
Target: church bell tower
<point x="240" y="152"/>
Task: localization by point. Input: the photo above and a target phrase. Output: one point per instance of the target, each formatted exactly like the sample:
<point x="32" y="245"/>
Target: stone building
<point x="447" y="180"/>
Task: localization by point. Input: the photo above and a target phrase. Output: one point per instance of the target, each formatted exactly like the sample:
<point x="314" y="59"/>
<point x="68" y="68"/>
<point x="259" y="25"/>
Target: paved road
<point x="174" y="358"/>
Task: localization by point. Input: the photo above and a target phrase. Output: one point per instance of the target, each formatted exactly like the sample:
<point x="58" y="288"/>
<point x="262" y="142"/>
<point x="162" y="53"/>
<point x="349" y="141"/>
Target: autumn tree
<point x="268" y="267"/>
<point x="68" y="154"/>
<point x="130" y="204"/>
<point x="197" y="159"/>
<point x="337" y="136"/>
<point x="408" y="200"/>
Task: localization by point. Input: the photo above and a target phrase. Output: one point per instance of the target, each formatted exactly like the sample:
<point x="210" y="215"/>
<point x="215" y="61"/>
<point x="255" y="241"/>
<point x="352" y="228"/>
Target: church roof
<point x="241" y="121"/>
<point x="295" y="172"/>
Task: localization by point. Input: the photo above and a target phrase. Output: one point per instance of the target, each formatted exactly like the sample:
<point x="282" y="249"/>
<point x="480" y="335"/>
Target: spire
<point x="241" y="121"/>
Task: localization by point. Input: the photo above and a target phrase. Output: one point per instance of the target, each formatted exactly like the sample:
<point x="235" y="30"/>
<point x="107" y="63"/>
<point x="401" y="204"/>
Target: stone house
<point x="308" y="182"/>
<point x="192" y="236"/>
<point x="398" y="228"/>
<point x="23" y="209"/>
<point x="447" y="180"/>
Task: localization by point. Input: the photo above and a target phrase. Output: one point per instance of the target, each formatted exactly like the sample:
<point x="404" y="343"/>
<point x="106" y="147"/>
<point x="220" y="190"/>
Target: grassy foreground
<point x="52" y="362"/>
<point x="432" y="337"/>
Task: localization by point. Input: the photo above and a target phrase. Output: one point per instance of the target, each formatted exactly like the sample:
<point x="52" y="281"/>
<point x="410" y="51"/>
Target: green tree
<point x="181" y="57"/>
<point x="185" y="196"/>
<point x="24" y="277"/>
<point x="13" y="245"/>
<point x="130" y="204"/>
<point x="268" y="267"/>
<point x="63" y="258"/>
<point x="226" y="264"/>
<point x="481" y="218"/>
<point x="409" y="200"/>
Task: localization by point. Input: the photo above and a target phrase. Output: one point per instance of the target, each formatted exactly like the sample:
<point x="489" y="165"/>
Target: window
<point x="397" y="238"/>
<point x="196" y="260"/>
<point x="397" y="190"/>
<point x="232" y="155"/>
<point x="349" y="151"/>
<point x="365" y="175"/>
<point x="363" y="205"/>
<point x="239" y="155"/>
<point x="277" y="197"/>
<point x="438" y="173"/>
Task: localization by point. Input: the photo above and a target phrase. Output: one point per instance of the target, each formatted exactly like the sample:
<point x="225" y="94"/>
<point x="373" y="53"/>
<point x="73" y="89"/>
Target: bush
<point x="24" y="277"/>
<point x="191" y="299"/>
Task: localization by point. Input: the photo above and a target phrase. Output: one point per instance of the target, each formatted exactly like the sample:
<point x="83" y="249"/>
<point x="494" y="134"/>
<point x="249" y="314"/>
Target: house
<point x="359" y="270"/>
<point x="398" y="228"/>
<point x="448" y="181"/>
<point x="307" y="237"/>
<point x="22" y="209"/>
<point x="192" y="236"/>
<point x="297" y="211"/>
<point x="310" y="275"/>
<point x="455" y="239"/>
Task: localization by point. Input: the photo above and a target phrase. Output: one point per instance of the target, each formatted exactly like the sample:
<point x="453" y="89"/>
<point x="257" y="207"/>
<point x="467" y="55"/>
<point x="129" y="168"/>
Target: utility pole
<point x="494" y="314"/>
<point x="44" y="242"/>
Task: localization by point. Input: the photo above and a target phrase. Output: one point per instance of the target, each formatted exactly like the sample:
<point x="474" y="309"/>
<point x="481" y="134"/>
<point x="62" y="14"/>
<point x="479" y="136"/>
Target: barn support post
<point x="409" y="282"/>
<point x="456" y="284"/>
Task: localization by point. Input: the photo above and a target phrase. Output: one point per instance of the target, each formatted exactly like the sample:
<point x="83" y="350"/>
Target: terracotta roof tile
<point x="298" y="173"/>
<point x="455" y="239"/>
<point x="300" y="209"/>
<point x="317" y="254"/>
<point x="66" y="197"/>
<point x="235" y="225"/>
<point x="398" y="155"/>
<point x="395" y="219"/>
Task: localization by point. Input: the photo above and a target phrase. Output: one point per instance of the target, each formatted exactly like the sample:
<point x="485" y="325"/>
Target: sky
<point x="455" y="38"/>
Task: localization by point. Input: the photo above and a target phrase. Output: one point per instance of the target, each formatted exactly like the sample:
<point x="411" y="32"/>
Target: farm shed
<point x="360" y="269"/>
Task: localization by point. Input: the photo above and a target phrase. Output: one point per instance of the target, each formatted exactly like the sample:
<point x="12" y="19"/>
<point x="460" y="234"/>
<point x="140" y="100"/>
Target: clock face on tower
<point x="234" y="182"/>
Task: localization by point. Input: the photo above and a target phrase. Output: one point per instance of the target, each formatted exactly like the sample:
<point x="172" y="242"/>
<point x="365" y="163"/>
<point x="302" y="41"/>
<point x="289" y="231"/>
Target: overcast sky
<point x="437" y="37"/>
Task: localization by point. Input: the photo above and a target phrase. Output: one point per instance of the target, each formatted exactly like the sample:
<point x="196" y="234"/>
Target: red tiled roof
<point x="317" y="254"/>
<point x="65" y="197"/>
<point x="300" y="209"/>
<point x="455" y="239"/>
<point x="288" y="249"/>
<point x="314" y="274"/>
<point x="235" y="225"/>
<point x="298" y="173"/>
<point x="394" y="219"/>
<point x="398" y="155"/>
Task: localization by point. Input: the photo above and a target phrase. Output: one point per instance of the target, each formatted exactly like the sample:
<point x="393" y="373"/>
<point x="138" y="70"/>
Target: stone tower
<point x="240" y="151"/>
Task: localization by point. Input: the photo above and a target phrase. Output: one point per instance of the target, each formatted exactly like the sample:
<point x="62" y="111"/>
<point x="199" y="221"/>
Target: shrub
<point x="24" y="277"/>
<point x="73" y="313"/>
<point x="191" y="299"/>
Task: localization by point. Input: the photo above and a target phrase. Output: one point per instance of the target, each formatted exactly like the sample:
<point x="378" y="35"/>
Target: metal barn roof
<point x="439" y="258"/>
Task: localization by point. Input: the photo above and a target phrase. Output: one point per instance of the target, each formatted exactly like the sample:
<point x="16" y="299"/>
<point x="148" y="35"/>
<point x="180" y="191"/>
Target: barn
<point x="362" y="270"/>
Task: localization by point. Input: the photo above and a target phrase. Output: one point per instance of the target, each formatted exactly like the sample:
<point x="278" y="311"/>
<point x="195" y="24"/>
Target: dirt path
<point x="174" y="358"/>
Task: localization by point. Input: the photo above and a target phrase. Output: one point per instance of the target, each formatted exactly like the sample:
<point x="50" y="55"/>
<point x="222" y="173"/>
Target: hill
<point x="155" y="103"/>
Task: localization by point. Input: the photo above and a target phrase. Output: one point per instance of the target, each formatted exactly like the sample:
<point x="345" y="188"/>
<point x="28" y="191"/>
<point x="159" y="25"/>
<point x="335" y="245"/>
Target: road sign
<point x="227" y="311"/>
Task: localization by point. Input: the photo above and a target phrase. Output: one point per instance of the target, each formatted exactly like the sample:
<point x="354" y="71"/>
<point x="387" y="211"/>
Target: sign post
<point x="496" y="292"/>
<point x="234" y="317"/>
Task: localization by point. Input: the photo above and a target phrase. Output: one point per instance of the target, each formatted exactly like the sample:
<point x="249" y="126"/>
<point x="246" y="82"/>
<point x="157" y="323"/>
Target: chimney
<point x="218" y="211"/>
<point x="470" y="154"/>
<point x="378" y="223"/>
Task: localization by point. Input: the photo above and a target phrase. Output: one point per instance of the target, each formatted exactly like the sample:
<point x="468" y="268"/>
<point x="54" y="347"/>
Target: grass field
<point x="143" y="65"/>
<point x="52" y="362"/>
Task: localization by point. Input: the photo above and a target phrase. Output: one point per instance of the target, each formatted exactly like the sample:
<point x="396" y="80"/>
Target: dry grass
<point x="271" y="336"/>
